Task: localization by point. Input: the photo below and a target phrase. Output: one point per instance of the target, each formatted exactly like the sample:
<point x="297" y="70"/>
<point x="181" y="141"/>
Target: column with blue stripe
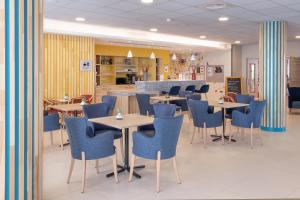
<point x="272" y="46"/>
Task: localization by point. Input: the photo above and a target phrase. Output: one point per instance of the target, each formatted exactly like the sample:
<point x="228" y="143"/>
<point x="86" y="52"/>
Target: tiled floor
<point x="230" y="171"/>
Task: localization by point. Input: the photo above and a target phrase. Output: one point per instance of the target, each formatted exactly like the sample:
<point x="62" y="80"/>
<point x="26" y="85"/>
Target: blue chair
<point x="247" y="99"/>
<point x="251" y="119"/>
<point x="190" y="88"/>
<point x="160" y="110"/>
<point x="51" y="123"/>
<point x="159" y="147"/>
<point x="111" y="100"/>
<point x="144" y="104"/>
<point x="96" y="111"/>
<point x="202" y="119"/>
<point x="174" y="91"/>
<point x="203" y="90"/>
<point x="86" y="148"/>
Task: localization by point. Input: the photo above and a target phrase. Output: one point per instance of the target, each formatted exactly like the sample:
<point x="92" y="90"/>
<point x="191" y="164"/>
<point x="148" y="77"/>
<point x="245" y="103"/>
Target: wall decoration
<point x="86" y="65"/>
<point x="215" y="73"/>
<point x="166" y="68"/>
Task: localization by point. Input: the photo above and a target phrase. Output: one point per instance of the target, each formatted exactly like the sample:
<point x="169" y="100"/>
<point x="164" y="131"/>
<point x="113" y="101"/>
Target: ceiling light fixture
<point x="237" y="42"/>
<point x="129" y="54"/>
<point x="80" y="19"/>
<point x="152" y="56"/>
<point x="297" y="37"/>
<point x="169" y="19"/>
<point x="202" y="36"/>
<point x="153" y="29"/>
<point x="215" y="6"/>
<point x="174" y="57"/>
<point x="147" y="1"/>
<point x="193" y="58"/>
<point x="223" y="19"/>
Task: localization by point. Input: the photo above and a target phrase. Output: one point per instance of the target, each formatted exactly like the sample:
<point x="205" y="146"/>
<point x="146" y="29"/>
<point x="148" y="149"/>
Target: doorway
<point x="252" y="77"/>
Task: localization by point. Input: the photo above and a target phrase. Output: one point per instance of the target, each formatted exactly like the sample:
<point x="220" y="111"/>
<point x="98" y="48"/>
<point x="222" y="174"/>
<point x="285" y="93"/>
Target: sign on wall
<point x="86" y="65"/>
<point x="233" y="84"/>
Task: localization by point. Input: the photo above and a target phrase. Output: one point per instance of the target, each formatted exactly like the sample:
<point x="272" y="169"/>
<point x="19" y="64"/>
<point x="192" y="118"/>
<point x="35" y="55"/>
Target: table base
<point x="219" y="137"/>
<point x="124" y="168"/>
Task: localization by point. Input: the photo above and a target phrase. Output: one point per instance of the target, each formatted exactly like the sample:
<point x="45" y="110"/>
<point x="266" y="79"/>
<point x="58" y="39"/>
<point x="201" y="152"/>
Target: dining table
<point x="224" y="106"/>
<point x="167" y="99"/>
<point x="127" y="121"/>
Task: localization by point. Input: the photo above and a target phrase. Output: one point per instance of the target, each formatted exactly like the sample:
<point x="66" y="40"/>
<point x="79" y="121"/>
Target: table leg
<point x="126" y="166"/>
<point x="217" y="137"/>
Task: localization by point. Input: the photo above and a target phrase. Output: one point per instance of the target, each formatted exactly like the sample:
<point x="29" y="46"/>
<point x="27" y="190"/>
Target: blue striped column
<point x="272" y="45"/>
<point x="20" y="98"/>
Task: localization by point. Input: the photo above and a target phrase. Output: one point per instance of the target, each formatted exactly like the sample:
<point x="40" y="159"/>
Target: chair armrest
<point x="240" y="119"/>
<point x="214" y="119"/>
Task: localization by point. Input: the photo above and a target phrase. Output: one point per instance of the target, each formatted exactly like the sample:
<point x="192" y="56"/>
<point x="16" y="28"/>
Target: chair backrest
<point x="244" y="98"/>
<point x="51" y="122"/>
<point x="256" y="110"/>
<point x="111" y="100"/>
<point x="167" y="130"/>
<point x="174" y="90"/>
<point x="194" y="97"/>
<point x="76" y="100"/>
<point x="88" y="98"/>
<point x="199" y="110"/>
<point x="294" y="93"/>
<point x="204" y="88"/>
<point x="164" y="110"/>
<point x="95" y="110"/>
<point x="144" y="104"/>
<point x="190" y="88"/>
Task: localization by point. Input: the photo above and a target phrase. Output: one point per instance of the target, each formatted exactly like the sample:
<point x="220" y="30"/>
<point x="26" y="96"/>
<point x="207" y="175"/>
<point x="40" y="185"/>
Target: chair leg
<point x="114" y="158"/>
<point x="194" y="131"/>
<point x="230" y="134"/>
<point x="61" y="139"/>
<point x="158" y="172"/>
<point x="223" y="141"/>
<point x="97" y="166"/>
<point x="215" y="131"/>
<point x="70" y="170"/>
<point x="131" y="167"/>
<point x="83" y="171"/>
<point x="176" y="171"/>
<point x="251" y="134"/>
<point x="51" y="137"/>
<point x="205" y="134"/>
<point x="260" y="136"/>
<point x="121" y="149"/>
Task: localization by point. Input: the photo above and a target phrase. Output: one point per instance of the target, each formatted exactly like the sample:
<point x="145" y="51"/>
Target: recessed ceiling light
<point x="80" y="19"/>
<point x="297" y="37"/>
<point x="202" y="36"/>
<point x="169" y="19"/>
<point x="215" y="6"/>
<point x="153" y="29"/>
<point x="147" y="1"/>
<point x="223" y="19"/>
<point x="237" y="42"/>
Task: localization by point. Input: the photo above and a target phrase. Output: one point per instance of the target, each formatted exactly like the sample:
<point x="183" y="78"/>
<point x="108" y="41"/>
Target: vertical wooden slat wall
<point x="62" y="56"/>
<point x="20" y="99"/>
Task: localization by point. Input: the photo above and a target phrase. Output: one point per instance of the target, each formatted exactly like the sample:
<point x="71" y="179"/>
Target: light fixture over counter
<point x="129" y="54"/>
<point x="174" y="57"/>
<point x="152" y="56"/>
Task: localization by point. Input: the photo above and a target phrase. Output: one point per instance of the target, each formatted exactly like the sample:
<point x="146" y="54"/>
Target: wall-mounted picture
<point x="215" y="73"/>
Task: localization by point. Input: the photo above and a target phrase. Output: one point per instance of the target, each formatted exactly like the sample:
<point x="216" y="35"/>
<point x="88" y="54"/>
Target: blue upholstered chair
<point x="144" y="104"/>
<point x="111" y="100"/>
<point x="174" y="91"/>
<point x="86" y="148"/>
<point x="51" y="123"/>
<point x="203" y="90"/>
<point x="247" y="99"/>
<point x="159" y="147"/>
<point x="202" y="119"/>
<point x="190" y="88"/>
<point x="160" y="110"/>
<point x="251" y="119"/>
<point x="101" y="110"/>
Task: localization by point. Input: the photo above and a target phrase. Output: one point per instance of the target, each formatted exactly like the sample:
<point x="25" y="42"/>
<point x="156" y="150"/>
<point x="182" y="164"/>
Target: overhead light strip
<point x="73" y="28"/>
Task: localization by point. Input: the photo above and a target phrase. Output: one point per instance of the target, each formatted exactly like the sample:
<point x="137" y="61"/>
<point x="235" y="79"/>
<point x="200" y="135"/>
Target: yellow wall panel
<point x="62" y="56"/>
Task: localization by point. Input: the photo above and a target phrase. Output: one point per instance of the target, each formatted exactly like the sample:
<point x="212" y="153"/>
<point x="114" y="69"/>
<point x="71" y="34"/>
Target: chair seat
<point x="117" y="133"/>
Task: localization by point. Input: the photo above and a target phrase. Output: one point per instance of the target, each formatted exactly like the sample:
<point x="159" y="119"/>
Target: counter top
<point x="129" y="92"/>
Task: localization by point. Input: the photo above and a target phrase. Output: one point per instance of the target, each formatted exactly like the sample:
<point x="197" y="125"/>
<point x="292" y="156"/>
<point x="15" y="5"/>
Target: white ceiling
<point x="190" y="18"/>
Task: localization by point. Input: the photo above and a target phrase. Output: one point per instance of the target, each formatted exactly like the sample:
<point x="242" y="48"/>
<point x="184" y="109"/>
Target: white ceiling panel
<point x="189" y="17"/>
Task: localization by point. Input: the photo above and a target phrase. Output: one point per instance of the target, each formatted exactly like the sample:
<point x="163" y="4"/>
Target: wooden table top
<point x="227" y="104"/>
<point x="129" y="120"/>
<point x="164" y="98"/>
<point x="67" y="107"/>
